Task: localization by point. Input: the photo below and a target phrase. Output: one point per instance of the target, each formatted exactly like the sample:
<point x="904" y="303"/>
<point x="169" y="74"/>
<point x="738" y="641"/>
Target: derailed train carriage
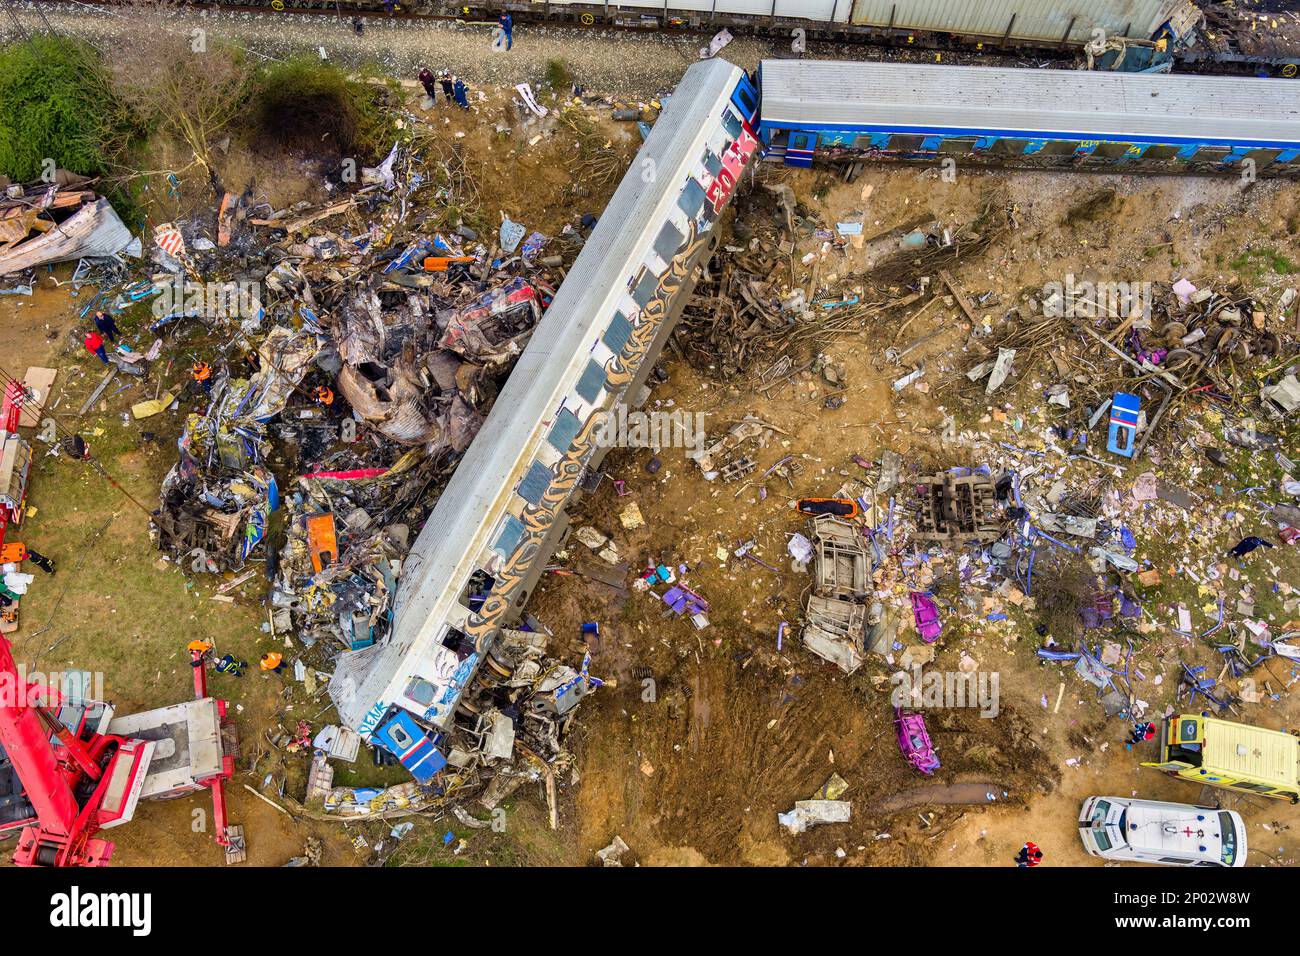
<point x="454" y="653"/>
<point x="838" y="111"/>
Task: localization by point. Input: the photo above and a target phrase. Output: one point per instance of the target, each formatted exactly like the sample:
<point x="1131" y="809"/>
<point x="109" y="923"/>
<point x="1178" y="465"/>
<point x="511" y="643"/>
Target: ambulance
<point x="1234" y="756"/>
<point x="1152" y="831"/>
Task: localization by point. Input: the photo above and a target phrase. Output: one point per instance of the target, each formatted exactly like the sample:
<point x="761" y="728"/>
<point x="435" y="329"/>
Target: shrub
<point x="56" y="103"/>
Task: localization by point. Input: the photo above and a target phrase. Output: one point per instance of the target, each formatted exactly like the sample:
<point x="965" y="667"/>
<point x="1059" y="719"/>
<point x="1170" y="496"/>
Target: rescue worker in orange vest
<point x="202" y="373"/>
<point x="324" y="395"/>
<point x="272" y="662"/>
<point x="199" y="651"/>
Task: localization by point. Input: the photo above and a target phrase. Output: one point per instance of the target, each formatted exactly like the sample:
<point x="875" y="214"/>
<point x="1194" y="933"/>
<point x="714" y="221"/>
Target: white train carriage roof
<point x="841" y="95"/>
<point x="476" y="501"/>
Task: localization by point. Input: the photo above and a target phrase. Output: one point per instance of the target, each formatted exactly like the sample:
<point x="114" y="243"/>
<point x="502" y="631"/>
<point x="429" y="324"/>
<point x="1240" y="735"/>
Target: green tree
<point x="56" y="104"/>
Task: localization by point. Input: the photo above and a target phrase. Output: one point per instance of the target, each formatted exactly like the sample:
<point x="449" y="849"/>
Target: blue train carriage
<point x="464" y="585"/>
<point x="838" y="110"/>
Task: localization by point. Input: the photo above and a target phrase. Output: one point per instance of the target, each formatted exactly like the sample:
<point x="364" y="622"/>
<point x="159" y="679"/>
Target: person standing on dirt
<point x="106" y="324"/>
<point x="94" y="343"/>
<point x="430" y="84"/>
<point x="1029" y="855"/>
<point x="1142" y="732"/>
<point x="507" y="25"/>
<point x="444" y="80"/>
<point x="460" y="93"/>
<point x="272" y="662"/>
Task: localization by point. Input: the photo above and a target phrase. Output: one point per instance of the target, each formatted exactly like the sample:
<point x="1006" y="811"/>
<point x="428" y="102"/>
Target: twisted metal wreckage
<point x="462" y="691"/>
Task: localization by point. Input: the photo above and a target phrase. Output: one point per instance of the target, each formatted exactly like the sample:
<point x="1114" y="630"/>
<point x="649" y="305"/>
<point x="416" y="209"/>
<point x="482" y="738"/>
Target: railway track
<point x="905" y="45"/>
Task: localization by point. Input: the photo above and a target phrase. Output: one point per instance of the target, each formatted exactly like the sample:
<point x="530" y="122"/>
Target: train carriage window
<point x="1009" y="147"/>
<point x="591" y="382"/>
<point x="1112" y="150"/>
<point x="744" y="98"/>
<point x="535" y="483"/>
<point x="668" y="242"/>
<point x="1059" y="147"/>
<point x="564" y="431"/>
<point x="731" y="124"/>
<point x="476" y="590"/>
<point x="1211" y="154"/>
<point x="647" y="284"/>
<point x="619" y="331"/>
<point x="712" y="163"/>
<point x="1263" y="157"/>
<point x="458" y="641"/>
<point x="692" y="198"/>
<point x="421" y="691"/>
<point x="1161" y="152"/>
<point x="512" y="532"/>
<point x="957" y="146"/>
<point x="906" y="142"/>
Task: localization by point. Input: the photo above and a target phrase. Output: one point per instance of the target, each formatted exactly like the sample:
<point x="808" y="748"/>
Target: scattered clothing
<point x="1247" y="545"/>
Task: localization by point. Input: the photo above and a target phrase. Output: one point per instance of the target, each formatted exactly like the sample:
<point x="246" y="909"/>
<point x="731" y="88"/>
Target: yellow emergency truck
<point x="1221" y="753"/>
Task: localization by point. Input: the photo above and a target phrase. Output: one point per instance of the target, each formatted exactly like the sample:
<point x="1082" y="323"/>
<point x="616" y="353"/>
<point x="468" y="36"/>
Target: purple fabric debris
<point x="914" y="741"/>
<point x="926" y="614"/>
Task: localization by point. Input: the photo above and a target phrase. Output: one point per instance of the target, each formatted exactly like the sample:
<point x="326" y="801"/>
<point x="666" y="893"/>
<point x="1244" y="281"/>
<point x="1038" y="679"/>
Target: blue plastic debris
<point x="1123" y="424"/>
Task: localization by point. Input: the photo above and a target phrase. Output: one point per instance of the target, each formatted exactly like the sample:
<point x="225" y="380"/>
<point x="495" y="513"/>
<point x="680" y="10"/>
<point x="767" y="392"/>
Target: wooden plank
<point x="958" y="294"/>
<point x="39" y="381"/>
<point x="99" y="390"/>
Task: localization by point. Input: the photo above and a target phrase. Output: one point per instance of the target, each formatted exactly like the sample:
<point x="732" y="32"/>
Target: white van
<point x="1148" y="831"/>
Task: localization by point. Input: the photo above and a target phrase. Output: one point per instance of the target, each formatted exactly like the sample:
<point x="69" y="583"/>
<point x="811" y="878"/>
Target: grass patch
<point x="1259" y="262"/>
<point x="558" y="76"/>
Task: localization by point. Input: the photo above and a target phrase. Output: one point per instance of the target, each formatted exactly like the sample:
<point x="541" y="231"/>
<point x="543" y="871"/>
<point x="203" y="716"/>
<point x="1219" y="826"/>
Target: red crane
<point x="77" y="783"/>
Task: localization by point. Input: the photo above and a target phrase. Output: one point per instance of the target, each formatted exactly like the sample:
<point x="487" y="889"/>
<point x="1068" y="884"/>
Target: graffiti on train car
<point x="733" y="164"/>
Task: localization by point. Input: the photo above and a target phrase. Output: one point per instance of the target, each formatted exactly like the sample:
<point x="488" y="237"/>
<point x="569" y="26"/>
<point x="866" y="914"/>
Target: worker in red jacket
<point x="94" y="343"/>
<point x="1029" y="855"/>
